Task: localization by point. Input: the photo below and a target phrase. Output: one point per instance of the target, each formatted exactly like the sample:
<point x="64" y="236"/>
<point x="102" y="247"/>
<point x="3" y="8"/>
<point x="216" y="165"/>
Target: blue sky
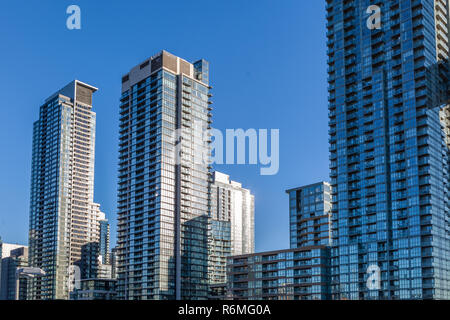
<point x="267" y="67"/>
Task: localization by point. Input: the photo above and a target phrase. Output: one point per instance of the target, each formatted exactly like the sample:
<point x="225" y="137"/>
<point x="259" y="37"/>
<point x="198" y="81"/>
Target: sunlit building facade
<point x="104" y="235"/>
<point x="231" y="229"/>
<point x="310" y="215"/>
<point x="12" y="256"/>
<point x="95" y="289"/>
<point x="63" y="216"/>
<point x="388" y="150"/>
<point x="163" y="200"/>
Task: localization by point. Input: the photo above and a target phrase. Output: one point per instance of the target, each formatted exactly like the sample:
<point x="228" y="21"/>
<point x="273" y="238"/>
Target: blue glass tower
<point x="104" y="241"/>
<point x="163" y="187"/>
<point x="310" y="215"/>
<point x="388" y="150"/>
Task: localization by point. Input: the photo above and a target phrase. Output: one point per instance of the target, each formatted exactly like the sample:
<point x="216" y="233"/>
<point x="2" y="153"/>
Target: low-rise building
<point x="294" y="274"/>
<point x="95" y="289"/>
<point x="12" y="257"/>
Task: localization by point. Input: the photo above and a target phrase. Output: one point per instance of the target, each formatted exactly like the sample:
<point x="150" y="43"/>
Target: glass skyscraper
<point x="231" y="229"/>
<point x="388" y="150"/>
<point x="104" y="240"/>
<point x="63" y="216"/>
<point x="310" y="215"/>
<point x="164" y="194"/>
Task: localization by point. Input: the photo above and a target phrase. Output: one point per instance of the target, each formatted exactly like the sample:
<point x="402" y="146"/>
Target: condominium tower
<point x="63" y="216"/>
<point x="310" y="215"/>
<point x="231" y="228"/>
<point x="163" y="199"/>
<point x="104" y="235"/>
<point x="388" y="149"/>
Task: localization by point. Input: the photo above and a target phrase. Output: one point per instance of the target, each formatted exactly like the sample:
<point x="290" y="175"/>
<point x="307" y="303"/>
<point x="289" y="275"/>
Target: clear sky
<point x="267" y="66"/>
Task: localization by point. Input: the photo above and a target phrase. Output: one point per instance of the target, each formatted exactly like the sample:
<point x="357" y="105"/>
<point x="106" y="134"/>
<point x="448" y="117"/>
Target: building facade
<point x="113" y="262"/>
<point x="12" y="257"/>
<point x="104" y="241"/>
<point x="63" y="216"/>
<point x="6" y="248"/>
<point x="90" y="260"/>
<point x="388" y="150"/>
<point x="293" y="274"/>
<point x="95" y="289"/>
<point x="231" y="229"/>
<point x="310" y="215"/>
<point x="163" y="187"/>
<point x="95" y="260"/>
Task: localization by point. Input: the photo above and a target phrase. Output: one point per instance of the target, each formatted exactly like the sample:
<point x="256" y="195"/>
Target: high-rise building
<point x="90" y="260"/>
<point x="91" y="263"/>
<point x="113" y="262"/>
<point x="94" y="261"/>
<point x="310" y="215"/>
<point x="12" y="257"/>
<point x="235" y="204"/>
<point x="104" y="241"/>
<point x="100" y="232"/>
<point x="163" y="199"/>
<point x="388" y="150"/>
<point x="231" y="229"/>
<point x="63" y="216"/>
